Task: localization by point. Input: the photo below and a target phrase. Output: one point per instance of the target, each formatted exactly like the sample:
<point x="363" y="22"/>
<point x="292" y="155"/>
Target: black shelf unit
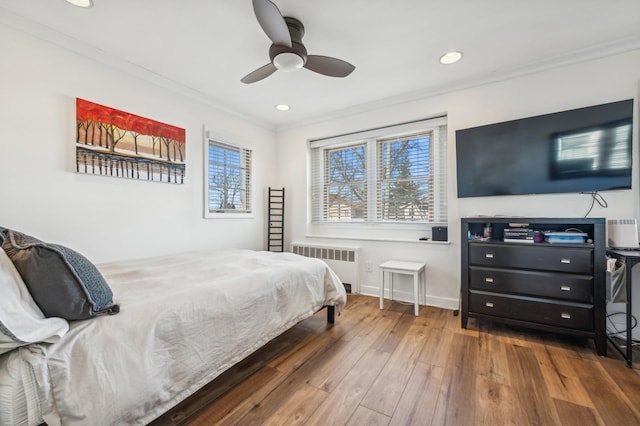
<point x="555" y="287"/>
<point x="625" y="346"/>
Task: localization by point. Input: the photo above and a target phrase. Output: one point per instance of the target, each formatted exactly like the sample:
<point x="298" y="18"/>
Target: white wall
<point x="588" y="83"/>
<point x="109" y="218"/>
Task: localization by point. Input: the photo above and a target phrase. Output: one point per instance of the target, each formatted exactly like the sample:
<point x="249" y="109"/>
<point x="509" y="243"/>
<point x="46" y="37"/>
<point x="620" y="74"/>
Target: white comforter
<point x="184" y="320"/>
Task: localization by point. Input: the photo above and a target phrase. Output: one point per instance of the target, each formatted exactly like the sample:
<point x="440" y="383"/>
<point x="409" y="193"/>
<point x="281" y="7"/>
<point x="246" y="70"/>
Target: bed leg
<point x="331" y="314"/>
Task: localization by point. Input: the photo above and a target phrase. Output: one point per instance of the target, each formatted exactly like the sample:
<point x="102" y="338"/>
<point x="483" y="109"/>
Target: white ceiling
<point x="203" y="48"/>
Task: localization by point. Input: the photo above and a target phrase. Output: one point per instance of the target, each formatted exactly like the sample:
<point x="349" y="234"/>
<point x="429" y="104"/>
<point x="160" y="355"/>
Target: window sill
<point x="381" y="239"/>
<point x="228" y="216"/>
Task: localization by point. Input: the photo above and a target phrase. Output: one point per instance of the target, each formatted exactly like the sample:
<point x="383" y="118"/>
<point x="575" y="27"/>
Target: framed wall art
<point x="111" y="142"/>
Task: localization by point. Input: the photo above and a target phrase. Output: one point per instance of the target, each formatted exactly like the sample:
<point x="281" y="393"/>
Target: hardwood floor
<point x="388" y="367"/>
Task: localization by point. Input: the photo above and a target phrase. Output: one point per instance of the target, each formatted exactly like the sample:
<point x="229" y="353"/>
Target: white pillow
<point x="21" y="321"/>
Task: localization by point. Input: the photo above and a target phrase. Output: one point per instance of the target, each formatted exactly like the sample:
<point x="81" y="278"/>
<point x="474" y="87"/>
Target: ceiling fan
<point x="287" y="53"/>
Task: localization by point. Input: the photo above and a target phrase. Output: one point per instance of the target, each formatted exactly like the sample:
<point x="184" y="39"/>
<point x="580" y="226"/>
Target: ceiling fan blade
<point x="259" y="74"/>
<point x="327" y="65"/>
<point x="272" y="22"/>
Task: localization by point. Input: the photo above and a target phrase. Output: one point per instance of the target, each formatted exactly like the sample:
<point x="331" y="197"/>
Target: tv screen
<point x="580" y="150"/>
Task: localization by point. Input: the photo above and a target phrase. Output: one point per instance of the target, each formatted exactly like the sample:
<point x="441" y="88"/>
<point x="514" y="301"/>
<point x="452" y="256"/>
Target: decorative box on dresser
<point x="557" y="287"/>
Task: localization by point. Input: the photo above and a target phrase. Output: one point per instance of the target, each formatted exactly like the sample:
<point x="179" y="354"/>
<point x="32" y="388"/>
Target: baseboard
<point x="405" y="296"/>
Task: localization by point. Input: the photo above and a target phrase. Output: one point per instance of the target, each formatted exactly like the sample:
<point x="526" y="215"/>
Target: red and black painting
<point x="111" y="142"/>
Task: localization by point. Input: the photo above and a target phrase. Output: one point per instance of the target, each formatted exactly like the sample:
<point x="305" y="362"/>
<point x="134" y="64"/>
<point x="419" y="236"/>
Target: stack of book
<point x="518" y="235"/>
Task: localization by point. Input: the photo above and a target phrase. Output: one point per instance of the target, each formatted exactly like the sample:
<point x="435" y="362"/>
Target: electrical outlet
<point x="367" y="266"/>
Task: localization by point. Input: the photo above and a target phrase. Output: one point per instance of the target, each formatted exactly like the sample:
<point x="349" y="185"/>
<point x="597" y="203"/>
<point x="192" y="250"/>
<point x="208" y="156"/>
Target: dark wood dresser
<point x="557" y="287"/>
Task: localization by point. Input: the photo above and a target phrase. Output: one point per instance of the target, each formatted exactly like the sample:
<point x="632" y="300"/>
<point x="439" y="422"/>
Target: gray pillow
<point x="62" y="282"/>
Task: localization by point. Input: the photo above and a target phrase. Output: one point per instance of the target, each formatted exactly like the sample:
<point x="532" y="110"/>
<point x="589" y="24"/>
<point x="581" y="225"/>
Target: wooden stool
<point x="401" y="267"/>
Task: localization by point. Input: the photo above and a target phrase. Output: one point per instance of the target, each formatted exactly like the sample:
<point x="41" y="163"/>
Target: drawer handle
<point x="488" y="255"/>
<point x="565" y="288"/>
<point x="565" y="315"/>
<point x="565" y="261"/>
<point x="488" y="280"/>
<point x="489" y="305"/>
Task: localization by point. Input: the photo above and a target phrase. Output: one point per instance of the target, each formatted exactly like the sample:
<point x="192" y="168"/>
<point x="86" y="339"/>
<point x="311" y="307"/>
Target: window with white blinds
<point x="395" y="174"/>
<point x="345" y="181"/>
<point x="228" y="179"/>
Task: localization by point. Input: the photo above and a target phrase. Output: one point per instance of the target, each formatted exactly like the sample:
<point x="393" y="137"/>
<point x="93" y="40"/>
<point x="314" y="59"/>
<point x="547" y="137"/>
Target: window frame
<point x="429" y="178"/>
<point x="327" y="183"/>
<point x="371" y="138"/>
<point x="246" y="175"/>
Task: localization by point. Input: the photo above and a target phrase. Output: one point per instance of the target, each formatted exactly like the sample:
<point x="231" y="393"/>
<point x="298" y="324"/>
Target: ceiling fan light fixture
<point x="287" y="52"/>
<point x="450" y="57"/>
<point x="81" y="3"/>
<point x="288" y="61"/>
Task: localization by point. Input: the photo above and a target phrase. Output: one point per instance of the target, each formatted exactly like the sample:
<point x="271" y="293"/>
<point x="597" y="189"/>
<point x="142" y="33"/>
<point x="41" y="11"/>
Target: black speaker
<point x="439" y="233"/>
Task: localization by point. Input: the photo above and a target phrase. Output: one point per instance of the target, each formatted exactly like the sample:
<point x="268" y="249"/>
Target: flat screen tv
<point x="580" y="150"/>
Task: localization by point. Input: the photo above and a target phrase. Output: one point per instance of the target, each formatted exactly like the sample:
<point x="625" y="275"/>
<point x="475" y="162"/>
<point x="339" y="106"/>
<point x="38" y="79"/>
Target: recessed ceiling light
<point x="81" y="3"/>
<point x="283" y="107"/>
<point x="450" y="57"/>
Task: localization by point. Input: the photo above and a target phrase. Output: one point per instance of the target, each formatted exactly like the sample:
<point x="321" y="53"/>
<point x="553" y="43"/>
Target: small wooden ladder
<point x="275" y="237"/>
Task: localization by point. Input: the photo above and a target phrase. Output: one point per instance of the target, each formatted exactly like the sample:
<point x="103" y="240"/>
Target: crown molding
<point x="594" y="52"/>
<point x="49" y="35"/>
<point x="79" y="47"/>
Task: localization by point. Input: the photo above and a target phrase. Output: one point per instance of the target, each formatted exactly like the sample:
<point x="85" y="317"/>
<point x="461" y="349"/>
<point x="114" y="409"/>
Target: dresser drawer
<point x="555" y="285"/>
<point x="566" y="315"/>
<point x="542" y="257"/>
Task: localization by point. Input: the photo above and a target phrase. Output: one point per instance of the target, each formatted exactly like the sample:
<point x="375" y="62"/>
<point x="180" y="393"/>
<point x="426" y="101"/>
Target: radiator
<point x="622" y="233"/>
<point x="345" y="261"/>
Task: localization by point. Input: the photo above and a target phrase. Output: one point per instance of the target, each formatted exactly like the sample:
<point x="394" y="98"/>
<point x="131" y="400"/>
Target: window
<point x="346" y="182"/>
<point x="405" y="177"/>
<point x="393" y="175"/>
<point x="227" y="180"/>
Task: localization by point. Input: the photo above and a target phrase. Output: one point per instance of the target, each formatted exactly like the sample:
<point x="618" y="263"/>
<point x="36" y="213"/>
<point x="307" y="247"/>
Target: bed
<point x="183" y="320"/>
